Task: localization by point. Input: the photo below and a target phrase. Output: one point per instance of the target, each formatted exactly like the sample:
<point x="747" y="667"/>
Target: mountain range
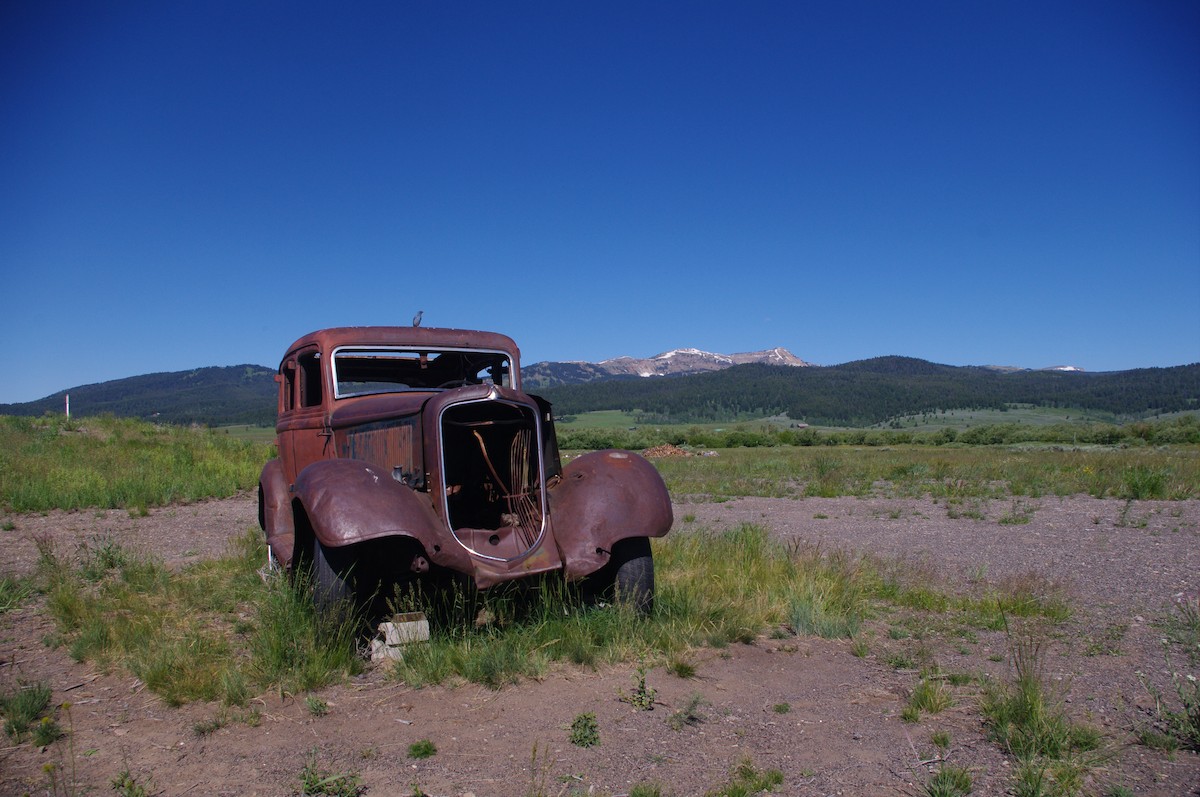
<point x="694" y="386"/>
<point x="213" y="396"/>
<point x="683" y="362"/>
<point x="877" y="390"/>
<point x="677" y="362"/>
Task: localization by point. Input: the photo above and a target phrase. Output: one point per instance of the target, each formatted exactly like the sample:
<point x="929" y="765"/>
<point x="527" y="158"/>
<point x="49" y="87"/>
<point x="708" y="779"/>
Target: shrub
<point x="22" y="708"/>
<point x="585" y="731"/>
<point x="422" y="749"/>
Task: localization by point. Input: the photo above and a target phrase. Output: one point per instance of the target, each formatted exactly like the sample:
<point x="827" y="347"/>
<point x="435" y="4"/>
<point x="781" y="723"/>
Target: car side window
<point x="310" y="379"/>
<point x="287" y="394"/>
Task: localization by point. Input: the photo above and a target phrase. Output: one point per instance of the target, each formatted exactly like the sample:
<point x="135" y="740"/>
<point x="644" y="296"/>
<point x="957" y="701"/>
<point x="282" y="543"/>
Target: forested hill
<point x="872" y="391"/>
<point x="212" y="396"/>
<point x="854" y="394"/>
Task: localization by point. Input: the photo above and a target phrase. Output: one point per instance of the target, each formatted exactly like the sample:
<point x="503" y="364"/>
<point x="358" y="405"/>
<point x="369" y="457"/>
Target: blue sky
<point x="199" y="183"/>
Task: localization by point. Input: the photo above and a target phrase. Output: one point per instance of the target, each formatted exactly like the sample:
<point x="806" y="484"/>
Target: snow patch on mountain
<point x="675" y="362"/>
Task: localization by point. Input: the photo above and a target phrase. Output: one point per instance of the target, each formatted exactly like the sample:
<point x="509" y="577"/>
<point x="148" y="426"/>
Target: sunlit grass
<point x="105" y="462"/>
<point x="713" y="589"/>
<point x="219" y="631"/>
<point x="53" y="463"/>
<point x="948" y="473"/>
<point x="1039" y="427"/>
<point x="216" y="631"/>
<point x="209" y="632"/>
<point x="22" y="707"/>
<point x="13" y="592"/>
<point x="1054" y="752"/>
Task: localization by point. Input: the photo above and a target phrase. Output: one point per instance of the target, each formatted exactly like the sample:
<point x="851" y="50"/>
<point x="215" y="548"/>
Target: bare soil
<point x="830" y="721"/>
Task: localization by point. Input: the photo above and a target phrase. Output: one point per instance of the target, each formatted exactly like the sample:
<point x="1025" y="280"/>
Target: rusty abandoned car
<point x="410" y="455"/>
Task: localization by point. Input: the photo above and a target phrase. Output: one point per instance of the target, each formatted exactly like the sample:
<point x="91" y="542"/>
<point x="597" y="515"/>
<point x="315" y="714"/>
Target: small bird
<point x="417" y="318"/>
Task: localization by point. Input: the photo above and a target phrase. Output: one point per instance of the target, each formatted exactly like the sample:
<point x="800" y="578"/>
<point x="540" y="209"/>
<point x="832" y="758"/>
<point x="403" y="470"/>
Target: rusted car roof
<point x="333" y="337"/>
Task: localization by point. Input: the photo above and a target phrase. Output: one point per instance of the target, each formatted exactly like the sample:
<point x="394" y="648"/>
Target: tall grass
<point x="1182" y="635"/>
<point x="53" y="463"/>
<point x="1029" y="723"/>
<point x="22" y="707"/>
<point x="713" y="588"/>
<point x="221" y="631"/>
<point x="919" y="590"/>
<point x="13" y="592"/>
<point x="218" y="631"/>
<point x="951" y="474"/>
<point x="212" y="631"/>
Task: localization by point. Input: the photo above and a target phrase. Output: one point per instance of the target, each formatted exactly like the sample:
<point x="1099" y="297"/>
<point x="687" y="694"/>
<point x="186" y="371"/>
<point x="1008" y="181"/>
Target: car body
<point x="411" y="453"/>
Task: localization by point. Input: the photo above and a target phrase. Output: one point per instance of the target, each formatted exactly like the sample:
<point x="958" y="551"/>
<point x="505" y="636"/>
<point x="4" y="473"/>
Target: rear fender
<point x="275" y="512"/>
<point x="605" y="497"/>
<point x="349" y="501"/>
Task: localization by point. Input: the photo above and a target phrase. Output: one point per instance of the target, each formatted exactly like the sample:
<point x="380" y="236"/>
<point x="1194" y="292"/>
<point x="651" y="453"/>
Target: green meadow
<point x="105" y="462"/>
<point x="55" y="463"/>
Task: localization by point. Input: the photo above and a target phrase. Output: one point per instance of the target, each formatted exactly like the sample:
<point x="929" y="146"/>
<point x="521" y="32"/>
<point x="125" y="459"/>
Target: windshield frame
<point x="471" y="371"/>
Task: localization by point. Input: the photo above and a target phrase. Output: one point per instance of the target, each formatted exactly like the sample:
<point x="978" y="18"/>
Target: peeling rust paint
<point x="603" y="498"/>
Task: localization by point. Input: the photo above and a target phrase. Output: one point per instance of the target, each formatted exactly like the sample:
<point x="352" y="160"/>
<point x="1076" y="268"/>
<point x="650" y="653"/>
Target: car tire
<point x="332" y="588"/>
<point x="632" y="566"/>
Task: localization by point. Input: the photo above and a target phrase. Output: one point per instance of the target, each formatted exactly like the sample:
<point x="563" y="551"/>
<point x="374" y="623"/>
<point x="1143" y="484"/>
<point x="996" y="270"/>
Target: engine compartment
<point x="494" y="499"/>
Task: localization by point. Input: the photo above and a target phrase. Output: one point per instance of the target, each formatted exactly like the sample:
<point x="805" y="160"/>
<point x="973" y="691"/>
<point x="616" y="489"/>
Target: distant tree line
<point x="873" y="391"/>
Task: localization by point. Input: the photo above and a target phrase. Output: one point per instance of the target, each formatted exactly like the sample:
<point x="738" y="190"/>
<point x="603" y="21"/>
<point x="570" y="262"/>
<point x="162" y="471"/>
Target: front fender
<point x="603" y="498"/>
<point x="349" y="501"/>
<point x="275" y="511"/>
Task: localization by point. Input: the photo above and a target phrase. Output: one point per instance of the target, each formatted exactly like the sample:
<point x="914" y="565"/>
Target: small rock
<point x="382" y="652"/>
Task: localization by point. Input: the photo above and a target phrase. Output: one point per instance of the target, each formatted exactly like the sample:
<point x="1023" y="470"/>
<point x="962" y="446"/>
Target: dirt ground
<point x="830" y="721"/>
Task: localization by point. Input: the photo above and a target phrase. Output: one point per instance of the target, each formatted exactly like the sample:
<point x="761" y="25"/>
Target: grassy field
<point x="604" y="419"/>
<point x="55" y="463"/>
<point x="258" y="435"/>
<point x="943" y="472"/>
<point x="1037" y="425"/>
<point x="51" y="463"/>
<point x="1025" y="414"/>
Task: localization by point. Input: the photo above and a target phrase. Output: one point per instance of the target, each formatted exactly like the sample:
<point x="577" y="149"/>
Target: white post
<point x="68" y="406"/>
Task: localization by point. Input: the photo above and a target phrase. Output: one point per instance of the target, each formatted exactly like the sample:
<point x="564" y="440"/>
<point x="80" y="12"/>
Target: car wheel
<point x="633" y="574"/>
<point x="331" y="585"/>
